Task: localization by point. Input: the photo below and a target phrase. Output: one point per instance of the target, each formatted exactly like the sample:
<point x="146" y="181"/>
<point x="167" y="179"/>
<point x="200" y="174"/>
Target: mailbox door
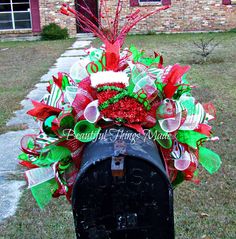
<point x="133" y="200"/>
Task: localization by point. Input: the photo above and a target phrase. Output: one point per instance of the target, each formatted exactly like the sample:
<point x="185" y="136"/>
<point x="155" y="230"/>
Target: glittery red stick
<point x="109" y="33"/>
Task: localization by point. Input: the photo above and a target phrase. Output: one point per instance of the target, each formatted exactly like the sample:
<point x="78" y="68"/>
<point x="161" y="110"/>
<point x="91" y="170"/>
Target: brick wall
<point x="185" y="15"/>
<point x="49" y="12"/>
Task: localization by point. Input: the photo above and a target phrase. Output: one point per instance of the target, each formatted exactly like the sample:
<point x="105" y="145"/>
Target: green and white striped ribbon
<point x="55" y="96"/>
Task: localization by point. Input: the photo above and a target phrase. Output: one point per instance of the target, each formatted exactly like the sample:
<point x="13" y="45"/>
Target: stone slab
<point x="63" y="64"/>
<point x="10" y="189"/>
<point x="10" y="149"/>
<point x="9" y="197"/>
<point x="10" y="142"/>
<point x="81" y="44"/>
<point x="20" y="115"/>
<point x="69" y="53"/>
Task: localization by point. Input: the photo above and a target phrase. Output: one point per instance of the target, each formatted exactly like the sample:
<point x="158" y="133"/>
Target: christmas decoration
<point x="122" y="87"/>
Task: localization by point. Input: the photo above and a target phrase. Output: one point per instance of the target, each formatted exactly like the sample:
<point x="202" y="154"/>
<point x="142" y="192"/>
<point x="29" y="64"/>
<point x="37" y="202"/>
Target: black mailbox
<point x="122" y="190"/>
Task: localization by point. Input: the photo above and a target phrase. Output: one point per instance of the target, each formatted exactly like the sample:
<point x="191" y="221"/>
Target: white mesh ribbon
<point x="91" y="112"/>
<point x="37" y="176"/>
<point x="78" y="70"/>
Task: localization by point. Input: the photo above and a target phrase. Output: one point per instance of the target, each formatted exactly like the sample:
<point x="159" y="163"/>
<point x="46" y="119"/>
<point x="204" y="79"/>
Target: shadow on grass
<point x="198" y="61"/>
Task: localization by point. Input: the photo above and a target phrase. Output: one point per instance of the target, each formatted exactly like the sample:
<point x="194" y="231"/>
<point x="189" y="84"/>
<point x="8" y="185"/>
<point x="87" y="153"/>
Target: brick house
<point x="29" y="16"/>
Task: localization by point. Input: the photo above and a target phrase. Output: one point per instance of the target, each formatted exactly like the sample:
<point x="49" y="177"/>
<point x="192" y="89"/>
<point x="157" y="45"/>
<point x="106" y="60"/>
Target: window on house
<point x="15" y="14"/>
<point x="149" y="1"/>
<point x="229" y="2"/>
<point x="136" y="3"/>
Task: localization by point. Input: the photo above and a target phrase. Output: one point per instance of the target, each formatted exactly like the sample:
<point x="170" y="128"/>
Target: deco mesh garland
<point x="115" y="86"/>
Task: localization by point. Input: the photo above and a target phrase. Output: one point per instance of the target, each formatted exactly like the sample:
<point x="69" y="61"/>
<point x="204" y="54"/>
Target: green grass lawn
<point x="21" y="66"/>
<point x="205" y="211"/>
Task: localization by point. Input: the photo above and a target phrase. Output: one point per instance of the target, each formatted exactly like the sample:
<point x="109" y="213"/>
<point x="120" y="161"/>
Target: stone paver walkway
<point x="10" y="142"/>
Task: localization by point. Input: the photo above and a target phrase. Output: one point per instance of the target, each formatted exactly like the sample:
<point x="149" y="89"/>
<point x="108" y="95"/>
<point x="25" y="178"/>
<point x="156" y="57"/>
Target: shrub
<point x="54" y="32"/>
<point x="205" y="47"/>
<point x="232" y="30"/>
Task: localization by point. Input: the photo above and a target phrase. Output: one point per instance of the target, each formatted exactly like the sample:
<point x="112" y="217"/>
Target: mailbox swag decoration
<point x="115" y="86"/>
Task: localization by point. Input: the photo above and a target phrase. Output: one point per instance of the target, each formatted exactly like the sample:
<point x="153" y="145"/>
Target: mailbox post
<point x="122" y="190"/>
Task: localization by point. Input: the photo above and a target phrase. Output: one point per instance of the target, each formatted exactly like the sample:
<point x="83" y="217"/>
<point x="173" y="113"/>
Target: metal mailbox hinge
<point x="117" y="162"/>
<point x="117" y="166"/>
